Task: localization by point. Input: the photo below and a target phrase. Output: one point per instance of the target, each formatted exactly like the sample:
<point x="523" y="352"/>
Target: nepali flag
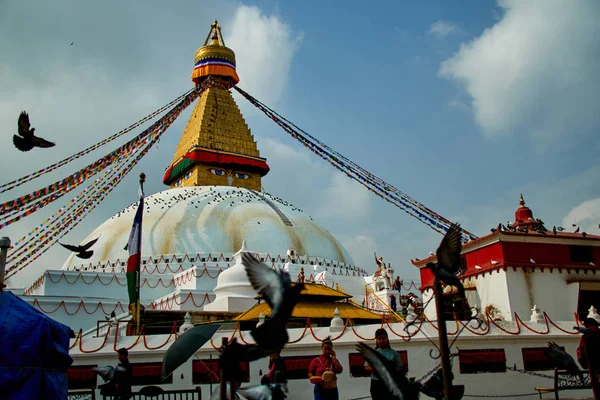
<point x="134" y="245"/>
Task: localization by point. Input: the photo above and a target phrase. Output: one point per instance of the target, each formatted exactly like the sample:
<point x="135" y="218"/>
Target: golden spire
<point x="521" y="201"/>
<point x="216" y="147"/>
<point x="215" y="59"/>
<point x="217" y="36"/>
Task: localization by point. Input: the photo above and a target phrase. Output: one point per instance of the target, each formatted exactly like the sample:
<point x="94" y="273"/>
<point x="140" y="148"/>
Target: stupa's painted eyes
<point x="239" y="175"/>
<point x="218" y="172"/>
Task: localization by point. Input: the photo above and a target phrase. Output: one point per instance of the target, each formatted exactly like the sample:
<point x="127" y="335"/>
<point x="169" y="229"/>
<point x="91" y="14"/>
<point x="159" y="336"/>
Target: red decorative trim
<point x="220" y="157"/>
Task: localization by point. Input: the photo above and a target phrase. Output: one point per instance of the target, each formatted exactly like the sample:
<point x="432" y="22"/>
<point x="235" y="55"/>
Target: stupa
<point x="193" y="231"/>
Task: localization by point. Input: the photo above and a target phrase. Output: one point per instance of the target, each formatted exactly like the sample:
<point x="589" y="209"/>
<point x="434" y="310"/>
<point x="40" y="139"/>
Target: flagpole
<point x="139" y="272"/>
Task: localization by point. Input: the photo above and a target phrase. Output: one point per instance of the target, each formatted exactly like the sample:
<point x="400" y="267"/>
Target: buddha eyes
<point x="218" y="172"/>
<point x="222" y="172"/>
<point x="241" y="176"/>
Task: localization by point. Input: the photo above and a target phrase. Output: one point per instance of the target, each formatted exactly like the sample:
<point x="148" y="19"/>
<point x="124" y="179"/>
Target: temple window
<point x="357" y="364"/>
<point x="207" y="371"/>
<point x="81" y="377"/>
<point x="481" y="360"/>
<point x="148" y="374"/>
<point x="581" y="254"/>
<point x="536" y="359"/>
<point x="297" y="367"/>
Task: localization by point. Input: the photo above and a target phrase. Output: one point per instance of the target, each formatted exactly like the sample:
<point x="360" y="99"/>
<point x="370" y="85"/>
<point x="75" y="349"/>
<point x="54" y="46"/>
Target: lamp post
<point x="443" y="338"/>
<point x="4" y="246"/>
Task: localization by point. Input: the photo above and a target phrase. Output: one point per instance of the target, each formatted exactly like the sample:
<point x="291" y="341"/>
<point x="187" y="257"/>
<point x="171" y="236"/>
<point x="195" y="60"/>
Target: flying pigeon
<point x="263" y="392"/>
<point x="216" y="394"/>
<point x="395" y="381"/>
<point x="82" y="251"/>
<point x="26" y="140"/>
<point x="563" y="360"/>
<point x="448" y="259"/>
<point x="277" y="289"/>
<point x="108" y="372"/>
<point x="235" y="352"/>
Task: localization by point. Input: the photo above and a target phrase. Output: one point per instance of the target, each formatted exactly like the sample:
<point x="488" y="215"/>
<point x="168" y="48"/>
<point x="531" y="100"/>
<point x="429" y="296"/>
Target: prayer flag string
<point x="359" y="174"/>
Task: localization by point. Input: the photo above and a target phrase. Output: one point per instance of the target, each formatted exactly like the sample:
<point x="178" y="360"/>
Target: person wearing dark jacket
<point x="123" y="378"/>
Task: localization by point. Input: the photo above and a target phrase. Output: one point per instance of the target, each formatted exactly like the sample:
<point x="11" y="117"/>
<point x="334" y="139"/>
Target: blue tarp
<point x="34" y="352"/>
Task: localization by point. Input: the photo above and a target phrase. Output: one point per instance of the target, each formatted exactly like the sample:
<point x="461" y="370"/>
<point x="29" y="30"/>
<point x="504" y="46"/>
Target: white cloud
<point x="441" y="29"/>
<point x="264" y="47"/>
<point x="535" y="70"/>
<point x="585" y="215"/>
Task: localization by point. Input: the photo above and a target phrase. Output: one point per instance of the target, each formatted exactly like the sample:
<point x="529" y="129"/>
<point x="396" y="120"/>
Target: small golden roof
<point x="314" y="309"/>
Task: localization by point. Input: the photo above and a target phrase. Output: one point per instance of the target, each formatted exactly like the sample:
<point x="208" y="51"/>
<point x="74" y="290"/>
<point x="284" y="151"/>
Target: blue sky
<point x="462" y="108"/>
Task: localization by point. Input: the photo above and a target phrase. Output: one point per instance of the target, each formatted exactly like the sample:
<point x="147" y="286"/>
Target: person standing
<point x="588" y="353"/>
<point x="323" y="370"/>
<point x="123" y="375"/>
<point x="378" y="389"/>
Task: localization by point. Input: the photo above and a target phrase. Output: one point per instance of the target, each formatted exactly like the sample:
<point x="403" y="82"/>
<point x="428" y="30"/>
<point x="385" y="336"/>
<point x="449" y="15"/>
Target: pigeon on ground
<point x="277" y="289"/>
<point x="399" y="387"/>
<point x="448" y="259"/>
<point x="263" y="392"/>
<point x="26" y="140"/>
<point x="82" y="251"/>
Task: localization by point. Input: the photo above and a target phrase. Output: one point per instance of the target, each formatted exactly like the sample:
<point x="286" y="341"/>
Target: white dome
<point x="213" y="220"/>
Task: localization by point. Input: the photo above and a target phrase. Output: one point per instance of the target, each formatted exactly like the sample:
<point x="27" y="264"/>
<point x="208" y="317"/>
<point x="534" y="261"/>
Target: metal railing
<point x="157" y="393"/>
<point x="83" y="394"/>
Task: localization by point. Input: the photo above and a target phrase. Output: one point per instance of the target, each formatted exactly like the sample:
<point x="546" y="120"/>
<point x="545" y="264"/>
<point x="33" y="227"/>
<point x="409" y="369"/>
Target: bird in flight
<point x="448" y="259"/>
<point x="26" y="140"/>
<point x="82" y="251"/>
<point x="280" y="294"/>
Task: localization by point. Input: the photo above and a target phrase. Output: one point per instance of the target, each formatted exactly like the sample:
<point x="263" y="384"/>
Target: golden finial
<point x="216" y="37"/>
<point x="521" y="201"/>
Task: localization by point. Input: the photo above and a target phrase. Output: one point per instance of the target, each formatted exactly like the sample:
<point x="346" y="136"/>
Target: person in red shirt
<point x="326" y="367"/>
<point x="588" y="353"/>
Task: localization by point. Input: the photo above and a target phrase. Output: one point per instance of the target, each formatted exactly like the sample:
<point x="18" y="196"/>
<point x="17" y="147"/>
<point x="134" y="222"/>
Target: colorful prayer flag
<point x="134" y="245"/>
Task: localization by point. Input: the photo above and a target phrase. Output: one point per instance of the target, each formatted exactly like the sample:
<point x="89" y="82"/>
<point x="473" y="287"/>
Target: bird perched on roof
<point x="280" y="294"/>
<point x="82" y="251"/>
<point x="399" y="387"/>
<point x="563" y="360"/>
<point x="26" y="140"/>
<point x="448" y="259"/>
<point x="263" y="392"/>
